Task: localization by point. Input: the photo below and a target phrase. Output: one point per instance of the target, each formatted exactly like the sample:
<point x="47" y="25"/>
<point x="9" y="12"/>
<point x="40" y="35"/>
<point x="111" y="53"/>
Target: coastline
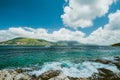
<point x="25" y="73"/>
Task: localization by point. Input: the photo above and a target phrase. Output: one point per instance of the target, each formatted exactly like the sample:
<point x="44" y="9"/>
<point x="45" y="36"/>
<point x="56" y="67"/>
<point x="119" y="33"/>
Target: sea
<point x="73" y="61"/>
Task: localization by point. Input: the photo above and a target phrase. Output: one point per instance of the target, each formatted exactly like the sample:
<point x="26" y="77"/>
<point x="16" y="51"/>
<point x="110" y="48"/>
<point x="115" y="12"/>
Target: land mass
<point x="117" y="44"/>
<point x="38" y="42"/>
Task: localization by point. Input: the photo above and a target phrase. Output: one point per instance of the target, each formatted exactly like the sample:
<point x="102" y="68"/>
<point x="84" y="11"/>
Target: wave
<point x="78" y="70"/>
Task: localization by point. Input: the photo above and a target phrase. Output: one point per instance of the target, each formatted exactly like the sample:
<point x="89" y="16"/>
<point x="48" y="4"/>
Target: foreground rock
<point x="105" y="74"/>
<point x="19" y="74"/>
<point x="49" y="74"/>
<point x="115" y="61"/>
<point x="14" y="75"/>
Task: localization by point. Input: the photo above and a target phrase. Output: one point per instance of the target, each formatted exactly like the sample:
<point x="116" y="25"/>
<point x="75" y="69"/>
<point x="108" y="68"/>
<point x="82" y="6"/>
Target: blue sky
<point x="33" y="13"/>
<point x="53" y="15"/>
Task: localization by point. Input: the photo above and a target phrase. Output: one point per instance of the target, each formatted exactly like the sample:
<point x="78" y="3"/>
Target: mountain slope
<point x="27" y="42"/>
<point x="117" y="44"/>
<point x="39" y="42"/>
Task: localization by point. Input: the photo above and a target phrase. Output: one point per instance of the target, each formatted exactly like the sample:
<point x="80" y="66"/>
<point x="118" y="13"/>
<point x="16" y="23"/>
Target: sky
<point x="85" y="21"/>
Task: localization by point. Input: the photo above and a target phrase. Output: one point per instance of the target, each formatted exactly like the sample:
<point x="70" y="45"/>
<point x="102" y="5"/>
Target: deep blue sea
<point x="71" y="60"/>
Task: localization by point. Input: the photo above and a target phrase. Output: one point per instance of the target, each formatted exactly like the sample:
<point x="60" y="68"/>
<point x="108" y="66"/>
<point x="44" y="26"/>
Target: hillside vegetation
<point x="38" y="42"/>
<point x="117" y="44"/>
<point x="27" y="42"/>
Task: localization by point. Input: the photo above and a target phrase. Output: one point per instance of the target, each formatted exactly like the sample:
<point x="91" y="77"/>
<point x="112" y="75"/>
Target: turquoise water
<point x="20" y="56"/>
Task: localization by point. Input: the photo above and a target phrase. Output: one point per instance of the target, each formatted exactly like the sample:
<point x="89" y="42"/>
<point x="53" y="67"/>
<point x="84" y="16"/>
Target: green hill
<point x="39" y="42"/>
<point x="27" y="42"/>
<point x="117" y="44"/>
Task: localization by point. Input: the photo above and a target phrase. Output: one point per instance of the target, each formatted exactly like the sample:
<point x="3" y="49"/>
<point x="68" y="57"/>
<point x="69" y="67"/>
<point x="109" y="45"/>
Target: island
<point x="38" y="42"/>
<point x="116" y="44"/>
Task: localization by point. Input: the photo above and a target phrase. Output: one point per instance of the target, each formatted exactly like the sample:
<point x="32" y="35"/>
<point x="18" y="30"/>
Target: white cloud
<point x="81" y="13"/>
<point x="114" y="21"/>
<point x="109" y="34"/>
<point x="40" y="33"/>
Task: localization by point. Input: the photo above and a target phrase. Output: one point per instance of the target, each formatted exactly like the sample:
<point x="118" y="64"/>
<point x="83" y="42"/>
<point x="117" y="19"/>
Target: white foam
<point x="80" y="70"/>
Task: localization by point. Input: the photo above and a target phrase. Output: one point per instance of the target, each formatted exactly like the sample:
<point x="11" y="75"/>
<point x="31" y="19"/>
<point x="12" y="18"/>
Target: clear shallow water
<point x="63" y="58"/>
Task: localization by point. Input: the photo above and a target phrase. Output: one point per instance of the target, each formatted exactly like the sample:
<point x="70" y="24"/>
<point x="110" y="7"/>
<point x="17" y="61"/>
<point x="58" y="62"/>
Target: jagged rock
<point x="71" y="78"/>
<point x="117" y="64"/>
<point x="13" y="75"/>
<point x="116" y="58"/>
<point x="61" y="76"/>
<point x="105" y="74"/>
<point x="49" y="74"/>
<point x="103" y="61"/>
<point x="22" y="77"/>
<point x="19" y="70"/>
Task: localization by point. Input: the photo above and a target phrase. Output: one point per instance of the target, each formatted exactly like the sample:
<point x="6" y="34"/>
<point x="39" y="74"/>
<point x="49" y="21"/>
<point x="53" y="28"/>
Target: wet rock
<point x="105" y="74"/>
<point x="71" y="78"/>
<point x="103" y="61"/>
<point x="117" y="64"/>
<point x="116" y="58"/>
<point x="19" y="70"/>
<point x="49" y="74"/>
<point x="61" y="76"/>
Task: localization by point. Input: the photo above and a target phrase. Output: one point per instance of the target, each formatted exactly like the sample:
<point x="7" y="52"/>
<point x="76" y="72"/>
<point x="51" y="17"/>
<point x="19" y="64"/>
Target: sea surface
<point x="73" y="61"/>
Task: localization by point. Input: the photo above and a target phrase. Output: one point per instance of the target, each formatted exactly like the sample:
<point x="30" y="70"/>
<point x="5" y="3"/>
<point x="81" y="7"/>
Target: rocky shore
<point x="103" y="74"/>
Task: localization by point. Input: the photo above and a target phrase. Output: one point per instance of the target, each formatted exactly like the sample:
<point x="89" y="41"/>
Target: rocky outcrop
<point x="21" y="74"/>
<point x="105" y="74"/>
<point x="13" y="75"/>
<point x="49" y="74"/>
<point x="116" y="61"/>
<point x="61" y="76"/>
<point x="103" y="61"/>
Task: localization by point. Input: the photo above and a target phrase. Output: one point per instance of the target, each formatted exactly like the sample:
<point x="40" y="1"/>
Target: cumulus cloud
<point x="40" y="33"/>
<point x="104" y="35"/>
<point x="81" y="13"/>
<point x="108" y="34"/>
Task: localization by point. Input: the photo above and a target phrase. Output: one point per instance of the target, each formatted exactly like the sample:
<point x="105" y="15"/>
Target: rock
<point x="19" y="70"/>
<point x="116" y="58"/>
<point x="7" y="74"/>
<point x="49" y="74"/>
<point x="102" y="61"/>
<point x="61" y="76"/>
<point x="13" y="75"/>
<point x="117" y="64"/>
<point x="105" y="74"/>
<point x="22" y="77"/>
<point x="71" y="78"/>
